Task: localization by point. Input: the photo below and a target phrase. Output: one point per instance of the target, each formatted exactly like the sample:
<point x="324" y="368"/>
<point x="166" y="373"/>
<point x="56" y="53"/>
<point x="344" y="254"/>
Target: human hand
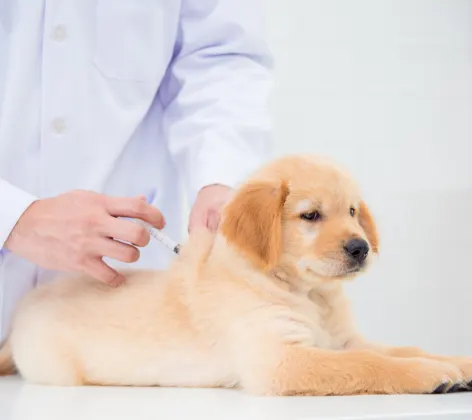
<point x="207" y="208"/>
<point x="75" y="230"/>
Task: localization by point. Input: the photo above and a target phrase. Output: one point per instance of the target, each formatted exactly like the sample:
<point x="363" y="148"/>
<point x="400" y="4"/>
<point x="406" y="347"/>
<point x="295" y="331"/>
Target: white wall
<point x="385" y="87"/>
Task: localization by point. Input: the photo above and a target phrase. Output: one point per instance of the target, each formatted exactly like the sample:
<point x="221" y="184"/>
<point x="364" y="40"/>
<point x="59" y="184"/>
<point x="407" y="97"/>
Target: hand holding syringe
<point x="156" y="233"/>
<point x="160" y="236"/>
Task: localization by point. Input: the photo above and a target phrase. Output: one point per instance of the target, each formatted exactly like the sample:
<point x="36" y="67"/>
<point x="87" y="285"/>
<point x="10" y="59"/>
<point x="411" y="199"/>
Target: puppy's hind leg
<point x="46" y="363"/>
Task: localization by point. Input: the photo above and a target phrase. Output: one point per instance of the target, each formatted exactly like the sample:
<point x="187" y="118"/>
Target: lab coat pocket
<point x="129" y="39"/>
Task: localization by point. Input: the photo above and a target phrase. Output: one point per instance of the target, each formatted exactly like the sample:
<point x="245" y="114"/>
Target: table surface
<point x="20" y="401"/>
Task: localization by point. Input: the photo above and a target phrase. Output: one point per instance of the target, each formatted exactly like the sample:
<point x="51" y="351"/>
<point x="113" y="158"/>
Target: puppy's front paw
<point x="424" y="376"/>
<point x="464" y="364"/>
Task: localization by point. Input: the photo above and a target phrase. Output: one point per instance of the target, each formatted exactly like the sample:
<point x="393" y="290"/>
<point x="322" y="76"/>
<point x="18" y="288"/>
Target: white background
<point x="385" y="87"/>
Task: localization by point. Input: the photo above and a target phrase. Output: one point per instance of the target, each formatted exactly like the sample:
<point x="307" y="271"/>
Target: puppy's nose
<point x="357" y="249"/>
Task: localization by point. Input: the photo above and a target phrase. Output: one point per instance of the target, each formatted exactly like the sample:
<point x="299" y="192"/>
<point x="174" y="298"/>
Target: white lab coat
<point x="126" y="97"/>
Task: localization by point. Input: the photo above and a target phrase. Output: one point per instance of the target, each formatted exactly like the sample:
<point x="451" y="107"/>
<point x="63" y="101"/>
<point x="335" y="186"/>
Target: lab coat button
<point x="59" y="34"/>
<point x="58" y="125"/>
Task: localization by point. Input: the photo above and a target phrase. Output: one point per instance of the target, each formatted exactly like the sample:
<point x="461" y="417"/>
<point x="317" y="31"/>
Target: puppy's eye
<point x="352" y="211"/>
<point x="313" y="216"/>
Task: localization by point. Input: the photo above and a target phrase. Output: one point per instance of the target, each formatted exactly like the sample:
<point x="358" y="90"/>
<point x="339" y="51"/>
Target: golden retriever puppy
<point x="260" y="305"/>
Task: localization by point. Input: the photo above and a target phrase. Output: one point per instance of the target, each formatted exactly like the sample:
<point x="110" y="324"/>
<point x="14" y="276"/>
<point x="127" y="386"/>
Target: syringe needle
<point x="160" y="236"/>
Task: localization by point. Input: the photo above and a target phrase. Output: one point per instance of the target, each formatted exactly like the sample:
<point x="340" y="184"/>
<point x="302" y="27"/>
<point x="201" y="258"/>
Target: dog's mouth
<point x="335" y="271"/>
<point x="353" y="270"/>
<point x="344" y="274"/>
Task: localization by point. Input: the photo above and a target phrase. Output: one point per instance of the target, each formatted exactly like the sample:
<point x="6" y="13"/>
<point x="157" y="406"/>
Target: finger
<point x="104" y="273"/>
<point x="116" y="250"/>
<point x="135" y="208"/>
<point x="126" y="231"/>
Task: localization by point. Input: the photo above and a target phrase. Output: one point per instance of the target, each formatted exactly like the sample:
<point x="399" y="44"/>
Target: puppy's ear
<point x="367" y="222"/>
<point x="252" y="221"/>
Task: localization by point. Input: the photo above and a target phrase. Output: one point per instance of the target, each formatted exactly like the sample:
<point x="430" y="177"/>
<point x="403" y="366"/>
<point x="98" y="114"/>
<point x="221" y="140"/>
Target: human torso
<point x="79" y="109"/>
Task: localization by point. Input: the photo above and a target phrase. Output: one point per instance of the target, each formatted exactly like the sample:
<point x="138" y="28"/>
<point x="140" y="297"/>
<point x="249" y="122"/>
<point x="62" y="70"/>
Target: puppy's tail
<point x="7" y="366"/>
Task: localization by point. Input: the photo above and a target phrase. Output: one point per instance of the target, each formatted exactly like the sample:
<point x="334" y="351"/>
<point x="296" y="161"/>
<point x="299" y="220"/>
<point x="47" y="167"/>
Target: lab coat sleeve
<point x="216" y="93"/>
<point x="13" y="202"/>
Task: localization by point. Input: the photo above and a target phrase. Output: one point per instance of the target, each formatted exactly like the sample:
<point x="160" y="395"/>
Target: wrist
<point x="14" y="237"/>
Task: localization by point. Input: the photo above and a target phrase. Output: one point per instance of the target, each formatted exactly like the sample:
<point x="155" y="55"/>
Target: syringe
<point x="161" y="237"/>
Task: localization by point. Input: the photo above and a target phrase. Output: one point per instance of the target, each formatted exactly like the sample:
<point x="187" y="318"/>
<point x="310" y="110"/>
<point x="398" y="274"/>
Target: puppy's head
<point x="304" y="215"/>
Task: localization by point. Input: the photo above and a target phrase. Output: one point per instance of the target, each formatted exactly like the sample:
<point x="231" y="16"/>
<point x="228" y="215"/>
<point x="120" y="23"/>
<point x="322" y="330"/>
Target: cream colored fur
<point x="260" y="306"/>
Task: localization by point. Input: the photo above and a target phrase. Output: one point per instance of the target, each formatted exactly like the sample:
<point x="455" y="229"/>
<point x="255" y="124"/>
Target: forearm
<point x="217" y="121"/>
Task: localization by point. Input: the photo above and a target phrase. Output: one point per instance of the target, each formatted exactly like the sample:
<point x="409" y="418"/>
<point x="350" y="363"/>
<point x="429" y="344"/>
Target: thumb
<point x="213" y="220"/>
